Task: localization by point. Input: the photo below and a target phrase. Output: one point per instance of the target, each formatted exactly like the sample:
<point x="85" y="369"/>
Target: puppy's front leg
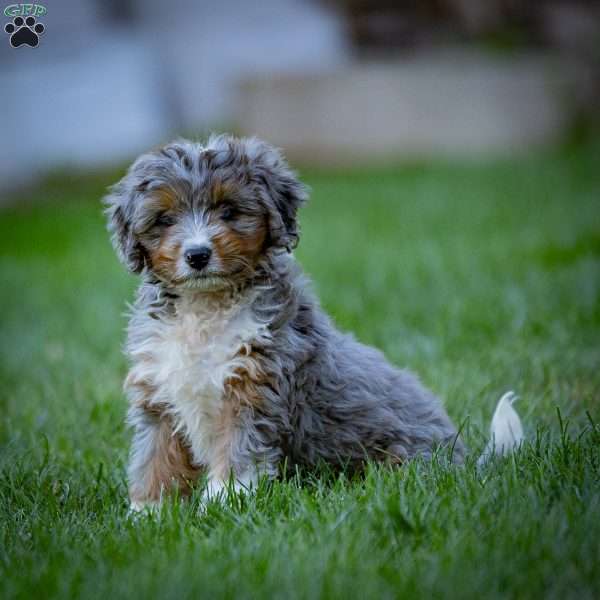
<point x="240" y="454"/>
<point x="159" y="460"/>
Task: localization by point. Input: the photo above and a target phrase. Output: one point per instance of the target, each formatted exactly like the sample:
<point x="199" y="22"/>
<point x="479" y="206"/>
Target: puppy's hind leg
<point x="159" y="461"/>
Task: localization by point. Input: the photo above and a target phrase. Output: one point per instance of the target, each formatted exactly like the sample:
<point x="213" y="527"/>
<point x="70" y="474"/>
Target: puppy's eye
<point x="164" y="220"/>
<point x="229" y="213"/>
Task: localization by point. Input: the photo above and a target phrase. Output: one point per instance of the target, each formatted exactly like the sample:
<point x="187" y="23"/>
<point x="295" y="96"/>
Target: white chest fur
<point x="187" y="359"/>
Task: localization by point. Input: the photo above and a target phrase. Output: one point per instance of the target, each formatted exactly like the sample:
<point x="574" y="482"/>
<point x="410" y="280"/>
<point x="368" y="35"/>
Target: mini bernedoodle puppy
<point x="235" y="368"/>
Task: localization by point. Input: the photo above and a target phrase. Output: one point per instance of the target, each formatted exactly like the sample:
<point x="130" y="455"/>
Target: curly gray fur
<point x="323" y="395"/>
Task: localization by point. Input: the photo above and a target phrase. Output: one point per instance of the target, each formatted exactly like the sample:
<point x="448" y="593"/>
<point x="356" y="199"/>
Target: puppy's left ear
<point x="120" y="210"/>
<point x="283" y="192"/>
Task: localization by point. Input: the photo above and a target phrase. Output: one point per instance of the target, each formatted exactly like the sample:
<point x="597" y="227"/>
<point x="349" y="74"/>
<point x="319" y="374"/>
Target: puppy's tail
<point x="506" y="431"/>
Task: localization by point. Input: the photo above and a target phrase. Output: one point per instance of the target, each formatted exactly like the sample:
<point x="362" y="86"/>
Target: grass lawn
<point x="481" y="278"/>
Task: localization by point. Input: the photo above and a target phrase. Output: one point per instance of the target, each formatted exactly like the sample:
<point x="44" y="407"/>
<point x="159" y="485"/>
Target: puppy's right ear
<point x="120" y="210"/>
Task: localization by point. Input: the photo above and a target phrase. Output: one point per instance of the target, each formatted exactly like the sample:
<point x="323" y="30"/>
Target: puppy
<point x="235" y="368"/>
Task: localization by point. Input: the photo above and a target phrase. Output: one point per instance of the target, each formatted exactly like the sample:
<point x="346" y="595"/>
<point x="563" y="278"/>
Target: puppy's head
<point x="202" y="217"/>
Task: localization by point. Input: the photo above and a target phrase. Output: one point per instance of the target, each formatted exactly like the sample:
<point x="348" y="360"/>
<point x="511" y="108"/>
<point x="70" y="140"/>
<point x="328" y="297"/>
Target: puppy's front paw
<point x="137" y="507"/>
<point x="217" y="489"/>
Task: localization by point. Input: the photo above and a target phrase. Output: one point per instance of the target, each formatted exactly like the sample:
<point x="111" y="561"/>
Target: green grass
<point x="480" y="278"/>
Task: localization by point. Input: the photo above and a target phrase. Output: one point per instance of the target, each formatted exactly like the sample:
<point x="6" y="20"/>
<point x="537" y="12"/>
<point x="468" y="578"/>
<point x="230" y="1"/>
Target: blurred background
<point x="452" y="149"/>
<point x="334" y="82"/>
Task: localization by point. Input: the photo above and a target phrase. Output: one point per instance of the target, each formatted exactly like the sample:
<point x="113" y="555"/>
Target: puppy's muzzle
<point x="198" y="257"/>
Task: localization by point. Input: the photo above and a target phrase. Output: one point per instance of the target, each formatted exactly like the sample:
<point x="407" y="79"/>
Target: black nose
<point x="198" y="258"/>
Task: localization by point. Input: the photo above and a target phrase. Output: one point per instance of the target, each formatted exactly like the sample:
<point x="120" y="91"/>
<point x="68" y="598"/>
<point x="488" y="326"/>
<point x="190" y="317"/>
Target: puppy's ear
<point x="283" y="192"/>
<point x="120" y="210"/>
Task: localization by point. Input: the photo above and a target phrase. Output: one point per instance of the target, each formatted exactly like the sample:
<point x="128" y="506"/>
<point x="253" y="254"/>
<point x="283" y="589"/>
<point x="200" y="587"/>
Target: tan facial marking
<point x="164" y="258"/>
<point x="221" y="190"/>
<point x="165" y="198"/>
<point x="231" y="245"/>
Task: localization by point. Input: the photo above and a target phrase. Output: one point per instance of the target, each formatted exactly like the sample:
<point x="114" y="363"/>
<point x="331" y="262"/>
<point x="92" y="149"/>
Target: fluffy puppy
<point x="235" y="368"/>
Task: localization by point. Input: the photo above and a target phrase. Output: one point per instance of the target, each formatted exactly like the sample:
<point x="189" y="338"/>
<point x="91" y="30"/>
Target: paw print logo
<point x="24" y="31"/>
